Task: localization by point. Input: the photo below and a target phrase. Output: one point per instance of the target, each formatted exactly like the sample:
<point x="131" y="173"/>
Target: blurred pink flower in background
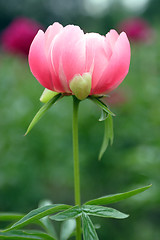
<point x="17" y="37"/>
<point x="116" y="98"/>
<point x="137" y="29"/>
<point x="65" y="55"/>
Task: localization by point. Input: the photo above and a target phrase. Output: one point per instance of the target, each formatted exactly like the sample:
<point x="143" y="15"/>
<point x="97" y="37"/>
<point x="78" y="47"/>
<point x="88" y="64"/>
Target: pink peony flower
<point x="64" y="59"/>
<point x="116" y="98"/>
<point x="137" y="29"/>
<point x="18" y="36"/>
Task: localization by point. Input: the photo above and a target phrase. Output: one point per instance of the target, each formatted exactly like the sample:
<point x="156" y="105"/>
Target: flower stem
<point x="76" y="164"/>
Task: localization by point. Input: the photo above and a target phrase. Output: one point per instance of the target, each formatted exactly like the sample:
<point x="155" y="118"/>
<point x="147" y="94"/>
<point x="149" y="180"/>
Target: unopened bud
<point x="81" y="85"/>
<point x="47" y="95"/>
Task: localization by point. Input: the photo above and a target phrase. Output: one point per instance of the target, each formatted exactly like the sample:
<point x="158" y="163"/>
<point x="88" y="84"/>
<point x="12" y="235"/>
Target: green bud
<point x="81" y="85"/>
<point x="47" y="95"/>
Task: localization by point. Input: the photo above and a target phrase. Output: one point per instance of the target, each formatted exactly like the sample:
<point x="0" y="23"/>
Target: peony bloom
<point x="65" y="60"/>
<point x="116" y="98"/>
<point x="137" y="29"/>
<point x="18" y="36"/>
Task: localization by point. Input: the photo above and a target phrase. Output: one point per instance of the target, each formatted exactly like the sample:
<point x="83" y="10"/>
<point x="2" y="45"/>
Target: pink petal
<point x="50" y="34"/>
<point x="68" y="55"/>
<point x="117" y="68"/>
<point x="97" y="56"/>
<point x="111" y="37"/>
<point x="38" y="62"/>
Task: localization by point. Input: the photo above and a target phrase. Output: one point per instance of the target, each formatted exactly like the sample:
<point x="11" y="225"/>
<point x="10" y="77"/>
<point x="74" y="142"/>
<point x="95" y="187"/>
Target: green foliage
<point x="100" y="211"/>
<point x="89" y="231"/>
<point x="10" y="216"/>
<point x="47" y="95"/>
<point x="116" y="197"/>
<point x="73" y="212"/>
<point x="42" y="111"/>
<point x="106" y="116"/>
<point x="46" y="222"/>
<point x="68" y="214"/>
<point x="67" y="229"/>
<point x="22" y="235"/>
<point x="108" y="135"/>
<point x="38" y="214"/>
<point x="102" y="105"/>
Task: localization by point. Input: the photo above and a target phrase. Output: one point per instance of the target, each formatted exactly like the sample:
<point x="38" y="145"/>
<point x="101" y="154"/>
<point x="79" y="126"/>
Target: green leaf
<point x="40" y="234"/>
<point x="89" y="232"/>
<point x="73" y="212"/>
<point x="101" y="104"/>
<point x="103" y="116"/>
<point x="37" y="214"/>
<point x="67" y="229"/>
<point x="19" y="234"/>
<point x="42" y="111"/>
<point x="46" y="223"/>
<point x="47" y="95"/>
<point x="116" y="197"/>
<point x="10" y="216"/>
<point x="100" y="211"/>
<point x="108" y="135"/>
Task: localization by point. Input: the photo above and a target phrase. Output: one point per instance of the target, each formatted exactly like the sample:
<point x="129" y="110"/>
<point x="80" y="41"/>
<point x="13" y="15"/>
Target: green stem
<point x="76" y="164"/>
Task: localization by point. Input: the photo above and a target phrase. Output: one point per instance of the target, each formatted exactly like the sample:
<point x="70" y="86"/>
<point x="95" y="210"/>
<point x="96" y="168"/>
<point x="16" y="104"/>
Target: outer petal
<point x="117" y="68"/>
<point x="97" y="56"/>
<point x="38" y="62"/>
<point x="68" y="55"/>
<point x="50" y="34"/>
<point x="111" y="38"/>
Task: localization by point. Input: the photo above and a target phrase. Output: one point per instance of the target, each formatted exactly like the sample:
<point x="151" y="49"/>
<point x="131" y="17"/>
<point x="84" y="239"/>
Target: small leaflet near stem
<point x="108" y="135"/>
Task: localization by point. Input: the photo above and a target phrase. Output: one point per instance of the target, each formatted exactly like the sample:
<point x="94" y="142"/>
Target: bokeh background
<point x="39" y="166"/>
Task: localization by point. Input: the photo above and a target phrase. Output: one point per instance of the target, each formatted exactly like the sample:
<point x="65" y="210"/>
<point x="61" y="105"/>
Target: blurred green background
<point x="39" y="166"/>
